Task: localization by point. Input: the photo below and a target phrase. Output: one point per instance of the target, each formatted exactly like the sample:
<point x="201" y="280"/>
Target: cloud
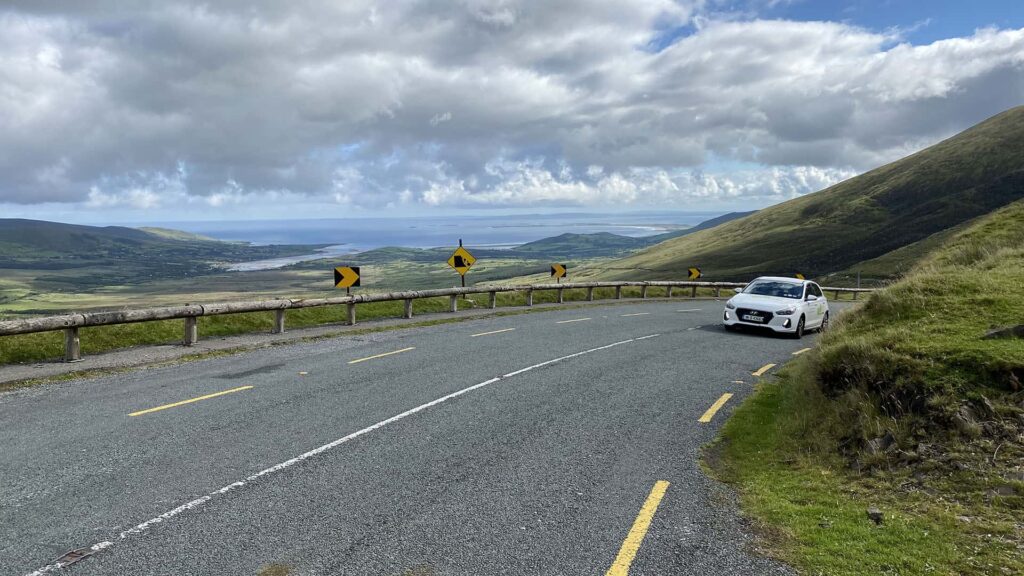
<point x="473" y="103"/>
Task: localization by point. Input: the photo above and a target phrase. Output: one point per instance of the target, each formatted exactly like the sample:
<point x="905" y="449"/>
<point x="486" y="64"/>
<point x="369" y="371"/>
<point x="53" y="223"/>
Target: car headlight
<point x="730" y="305"/>
<point x="786" y="311"/>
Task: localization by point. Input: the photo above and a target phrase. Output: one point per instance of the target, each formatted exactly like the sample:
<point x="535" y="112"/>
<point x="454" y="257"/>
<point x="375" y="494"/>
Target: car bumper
<point x="782" y="324"/>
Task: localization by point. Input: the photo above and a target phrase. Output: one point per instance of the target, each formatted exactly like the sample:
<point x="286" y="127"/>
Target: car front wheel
<point x="799" y="332"/>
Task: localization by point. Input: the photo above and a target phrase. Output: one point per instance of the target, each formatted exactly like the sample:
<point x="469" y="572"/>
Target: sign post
<point x="461" y="260"/>
<point x="559" y="271"/>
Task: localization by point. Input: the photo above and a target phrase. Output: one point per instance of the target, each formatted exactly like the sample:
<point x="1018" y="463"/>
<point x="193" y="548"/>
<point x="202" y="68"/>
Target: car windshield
<point x="775" y="288"/>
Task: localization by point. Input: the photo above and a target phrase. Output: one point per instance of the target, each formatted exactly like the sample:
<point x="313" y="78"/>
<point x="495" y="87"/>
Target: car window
<point x="775" y="288"/>
<point x="814" y="289"/>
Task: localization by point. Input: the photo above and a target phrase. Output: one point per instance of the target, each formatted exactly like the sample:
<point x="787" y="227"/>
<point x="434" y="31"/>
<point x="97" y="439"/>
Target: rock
<point x="964" y="519"/>
<point x="1017" y="476"/>
<point x="1004" y="490"/>
<point x="1007" y="332"/>
<point x="875" y="515"/>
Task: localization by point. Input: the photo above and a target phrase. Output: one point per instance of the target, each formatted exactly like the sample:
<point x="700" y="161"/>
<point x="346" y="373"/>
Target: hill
<point x="863" y="218"/>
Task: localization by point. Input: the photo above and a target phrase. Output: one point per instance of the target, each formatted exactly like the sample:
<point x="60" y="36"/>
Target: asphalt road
<point x="513" y="445"/>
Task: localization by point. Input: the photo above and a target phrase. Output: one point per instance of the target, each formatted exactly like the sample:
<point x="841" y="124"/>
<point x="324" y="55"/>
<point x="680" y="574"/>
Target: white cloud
<point x="478" y="103"/>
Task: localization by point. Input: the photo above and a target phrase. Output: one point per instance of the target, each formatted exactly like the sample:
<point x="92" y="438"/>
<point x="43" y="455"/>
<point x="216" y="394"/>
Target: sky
<point x="170" y="110"/>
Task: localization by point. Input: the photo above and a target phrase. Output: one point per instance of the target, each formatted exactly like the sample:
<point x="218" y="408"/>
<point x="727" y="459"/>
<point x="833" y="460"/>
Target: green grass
<point x="860" y="219"/>
<point x="909" y="368"/>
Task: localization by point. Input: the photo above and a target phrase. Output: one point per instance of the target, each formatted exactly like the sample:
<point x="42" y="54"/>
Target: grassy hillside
<point x="907" y="406"/>
<point x="865" y="217"/>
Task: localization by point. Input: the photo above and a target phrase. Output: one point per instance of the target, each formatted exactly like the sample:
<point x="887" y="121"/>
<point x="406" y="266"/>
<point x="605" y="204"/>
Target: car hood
<point x="766" y="303"/>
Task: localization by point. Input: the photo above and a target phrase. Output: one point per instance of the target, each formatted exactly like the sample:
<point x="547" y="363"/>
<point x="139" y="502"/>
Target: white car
<point x="785" y="305"/>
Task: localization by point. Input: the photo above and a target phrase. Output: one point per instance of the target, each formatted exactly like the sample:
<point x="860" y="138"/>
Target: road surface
<point x="563" y="442"/>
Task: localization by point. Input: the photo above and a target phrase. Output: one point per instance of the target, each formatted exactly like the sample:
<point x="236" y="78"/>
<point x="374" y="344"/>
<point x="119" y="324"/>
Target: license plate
<point x="753" y="318"/>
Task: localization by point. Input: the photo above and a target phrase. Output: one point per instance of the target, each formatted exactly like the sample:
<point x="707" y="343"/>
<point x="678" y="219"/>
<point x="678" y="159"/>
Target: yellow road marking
<point x="189" y="401"/>
<point x="494" y="332"/>
<point x="799" y="352"/>
<point x="637" y="314"/>
<point x="381" y="355"/>
<point x="620" y="567"/>
<point x="575" y="320"/>
<point x="763" y="369"/>
<point x="714" y="408"/>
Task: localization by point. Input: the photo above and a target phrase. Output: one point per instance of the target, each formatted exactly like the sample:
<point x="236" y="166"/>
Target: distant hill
<point x="860" y="219"/>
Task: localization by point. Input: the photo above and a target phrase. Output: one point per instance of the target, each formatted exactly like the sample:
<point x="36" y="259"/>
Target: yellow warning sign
<point x="461" y="260"/>
<point x="799" y="276"/>
<point x="346" y="276"/>
<point x="558" y="270"/>
<point x="695" y="273"/>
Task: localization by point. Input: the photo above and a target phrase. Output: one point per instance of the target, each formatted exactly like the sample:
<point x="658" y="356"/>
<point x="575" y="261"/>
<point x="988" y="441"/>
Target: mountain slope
<point x="968" y="175"/>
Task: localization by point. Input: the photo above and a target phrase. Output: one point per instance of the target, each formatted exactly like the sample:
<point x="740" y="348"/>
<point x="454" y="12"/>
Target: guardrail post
<point x="560" y="300"/>
<point x="693" y="292"/>
<point x="453" y="303"/>
<point x="718" y="292"/>
<point x="590" y="294"/>
<point x="854" y="295"/>
<point x="492" y="300"/>
<point x="836" y="294"/>
<point x="278" y="321"/>
<point x="191" y="330"/>
<point x="668" y="292"/>
<point x="643" y="291"/>
<point x="529" y="297"/>
<point x="618" y="292"/>
<point x="351" y="306"/>
<point x="72" y="345"/>
<point x="408" y="308"/>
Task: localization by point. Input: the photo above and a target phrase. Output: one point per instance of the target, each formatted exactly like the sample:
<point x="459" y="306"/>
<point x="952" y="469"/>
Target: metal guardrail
<point x="190" y="313"/>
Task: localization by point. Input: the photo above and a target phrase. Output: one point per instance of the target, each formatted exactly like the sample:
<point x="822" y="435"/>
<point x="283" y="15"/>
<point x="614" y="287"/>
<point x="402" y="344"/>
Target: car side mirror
<point x="811" y="297"/>
<point x="738" y="290"/>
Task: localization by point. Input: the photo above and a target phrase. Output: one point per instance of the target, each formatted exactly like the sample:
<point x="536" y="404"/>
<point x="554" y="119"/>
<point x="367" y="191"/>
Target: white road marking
<point x="690" y="310"/>
<point x="573" y="320"/>
<point x="637" y="314"/>
<point x="170" y="514"/>
<point x="692" y="328"/>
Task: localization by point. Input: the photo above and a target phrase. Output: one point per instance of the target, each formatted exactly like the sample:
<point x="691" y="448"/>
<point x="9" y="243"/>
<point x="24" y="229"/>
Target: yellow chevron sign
<point x="799" y="276"/>
<point x="559" y="270"/>
<point x="346" y="276"/>
<point x="461" y="260"/>
<point x="695" y="273"/>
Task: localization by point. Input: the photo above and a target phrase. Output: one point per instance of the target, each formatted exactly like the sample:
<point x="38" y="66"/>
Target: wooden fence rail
<point x="70" y="323"/>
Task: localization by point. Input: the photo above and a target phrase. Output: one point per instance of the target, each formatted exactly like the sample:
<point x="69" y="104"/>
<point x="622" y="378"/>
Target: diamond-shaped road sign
<point x="346" y="276"/>
<point x="559" y="270"/>
<point x="799" y="276"/>
<point x="695" y="273"/>
<point x="461" y="260"/>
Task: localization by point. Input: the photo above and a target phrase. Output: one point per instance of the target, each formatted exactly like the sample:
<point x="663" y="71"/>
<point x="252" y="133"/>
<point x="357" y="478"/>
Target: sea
<point x="350" y="235"/>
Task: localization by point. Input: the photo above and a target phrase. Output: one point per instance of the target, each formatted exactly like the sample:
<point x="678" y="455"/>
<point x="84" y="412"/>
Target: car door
<point x="810" y="307"/>
<point x="817" y="307"/>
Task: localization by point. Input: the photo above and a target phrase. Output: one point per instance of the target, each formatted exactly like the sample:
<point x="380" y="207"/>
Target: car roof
<point x="782" y="279"/>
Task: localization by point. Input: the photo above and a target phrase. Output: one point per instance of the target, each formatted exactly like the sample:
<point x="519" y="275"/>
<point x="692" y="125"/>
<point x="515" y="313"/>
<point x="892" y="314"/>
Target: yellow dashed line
<point x="714" y="408"/>
<point x="763" y="369"/>
<point x="381" y="355"/>
<point x="189" y="401"/>
<point x="620" y="567"/>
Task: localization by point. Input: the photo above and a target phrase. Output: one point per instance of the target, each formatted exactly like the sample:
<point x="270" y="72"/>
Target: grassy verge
<point x="904" y="406"/>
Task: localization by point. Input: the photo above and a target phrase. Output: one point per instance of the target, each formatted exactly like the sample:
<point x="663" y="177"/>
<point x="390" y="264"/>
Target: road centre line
<point x="493" y="332"/>
<point x="636" y="314"/>
<point x="189" y="401"/>
<point x="357" y="361"/>
<point x="762" y="370"/>
<point x="690" y="310"/>
<point x="620" y="567"/>
<point x="573" y="320"/>
<point x="799" y="352"/>
<point x="707" y="416"/>
<point x="144" y="526"/>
